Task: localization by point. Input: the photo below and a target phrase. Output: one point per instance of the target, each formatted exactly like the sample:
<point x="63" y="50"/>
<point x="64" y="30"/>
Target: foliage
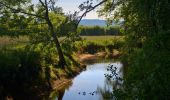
<point x="146" y="52"/>
<point x="13" y="25"/>
<point x="95" y="44"/>
<point x="17" y="65"/>
<point x="153" y="59"/>
<point x="31" y="64"/>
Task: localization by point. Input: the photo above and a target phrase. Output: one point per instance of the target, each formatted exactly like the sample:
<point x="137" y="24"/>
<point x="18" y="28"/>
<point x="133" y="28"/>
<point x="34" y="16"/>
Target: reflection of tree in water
<point x="113" y="82"/>
<point x="106" y="92"/>
<point x="58" y="94"/>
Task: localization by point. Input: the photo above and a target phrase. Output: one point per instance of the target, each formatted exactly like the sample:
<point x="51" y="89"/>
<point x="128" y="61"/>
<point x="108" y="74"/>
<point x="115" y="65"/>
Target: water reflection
<point x="113" y="81"/>
<point x="106" y="92"/>
<point x="90" y="84"/>
<point x="86" y="86"/>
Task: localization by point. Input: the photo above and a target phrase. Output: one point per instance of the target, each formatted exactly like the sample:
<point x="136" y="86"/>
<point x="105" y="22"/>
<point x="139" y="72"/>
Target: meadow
<point x="9" y="41"/>
<point x="101" y="38"/>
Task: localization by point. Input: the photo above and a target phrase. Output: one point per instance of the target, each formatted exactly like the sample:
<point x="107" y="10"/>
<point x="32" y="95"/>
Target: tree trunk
<point x="62" y="61"/>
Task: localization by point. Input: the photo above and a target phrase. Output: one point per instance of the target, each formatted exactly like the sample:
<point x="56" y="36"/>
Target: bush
<point x="19" y="65"/>
<point x="148" y="74"/>
<point x="94" y="46"/>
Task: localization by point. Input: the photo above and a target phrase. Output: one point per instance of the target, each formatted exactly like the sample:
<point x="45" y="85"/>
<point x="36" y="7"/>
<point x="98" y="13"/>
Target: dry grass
<point x="8" y="41"/>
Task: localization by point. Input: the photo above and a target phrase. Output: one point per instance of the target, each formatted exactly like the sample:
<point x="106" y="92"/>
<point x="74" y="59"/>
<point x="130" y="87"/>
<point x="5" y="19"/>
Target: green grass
<point x="94" y="44"/>
<point x="21" y="41"/>
<point x="101" y="38"/>
<point x="98" y="38"/>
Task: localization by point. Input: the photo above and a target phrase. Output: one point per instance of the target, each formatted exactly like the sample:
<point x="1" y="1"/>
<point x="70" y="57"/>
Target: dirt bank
<point x="84" y="58"/>
<point x="65" y="78"/>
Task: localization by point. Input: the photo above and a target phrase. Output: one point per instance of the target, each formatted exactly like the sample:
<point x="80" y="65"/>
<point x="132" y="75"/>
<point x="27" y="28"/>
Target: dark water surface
<point x="87" y="85"/>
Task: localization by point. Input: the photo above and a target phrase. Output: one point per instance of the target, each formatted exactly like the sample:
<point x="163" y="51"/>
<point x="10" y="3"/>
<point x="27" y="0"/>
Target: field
<point x="6" y="40"/>
<point x="100" y="38"/>
<point x="104" y="40"/>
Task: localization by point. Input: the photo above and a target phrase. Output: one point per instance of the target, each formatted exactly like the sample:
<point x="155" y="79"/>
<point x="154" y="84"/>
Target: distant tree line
<point x="97" y="30"/>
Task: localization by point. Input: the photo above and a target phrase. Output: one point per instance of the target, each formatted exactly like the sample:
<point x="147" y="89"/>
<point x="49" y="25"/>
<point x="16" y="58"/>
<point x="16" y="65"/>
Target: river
<point x="90" y="84"/>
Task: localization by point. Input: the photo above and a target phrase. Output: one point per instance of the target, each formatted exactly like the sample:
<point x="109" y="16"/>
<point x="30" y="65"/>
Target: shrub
<point x="19" y="65"/>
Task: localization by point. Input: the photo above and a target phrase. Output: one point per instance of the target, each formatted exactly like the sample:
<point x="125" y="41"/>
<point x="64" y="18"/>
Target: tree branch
<point x="42" y="3"/>
<point x="21" y="11"/>
<point x="88" y="10"/>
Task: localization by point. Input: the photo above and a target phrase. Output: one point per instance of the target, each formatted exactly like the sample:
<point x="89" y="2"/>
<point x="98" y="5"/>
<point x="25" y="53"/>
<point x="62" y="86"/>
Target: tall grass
<point x="6" y="41"/>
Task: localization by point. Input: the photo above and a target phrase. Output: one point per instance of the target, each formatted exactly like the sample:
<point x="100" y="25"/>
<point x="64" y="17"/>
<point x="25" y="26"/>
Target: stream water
<point x="90" y="84"/>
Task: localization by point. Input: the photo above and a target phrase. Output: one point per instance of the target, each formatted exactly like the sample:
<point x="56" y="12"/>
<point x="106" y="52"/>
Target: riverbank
<point x="65" y="76"/>
<point x="32" y="68"/>
<point x="90" y="58"/>
<point x="84" y="59"/>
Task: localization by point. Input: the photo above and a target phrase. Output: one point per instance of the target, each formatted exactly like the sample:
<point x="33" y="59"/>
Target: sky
<point x="72" y="5"/>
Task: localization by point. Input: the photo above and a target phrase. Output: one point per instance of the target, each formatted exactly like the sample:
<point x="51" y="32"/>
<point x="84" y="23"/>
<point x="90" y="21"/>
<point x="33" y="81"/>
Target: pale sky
<point x="72" y="5"/>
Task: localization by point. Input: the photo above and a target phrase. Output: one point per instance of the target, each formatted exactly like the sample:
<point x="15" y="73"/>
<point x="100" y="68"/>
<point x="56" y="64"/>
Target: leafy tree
<point x="147" y="45"/>
<point x="42" y="13"/>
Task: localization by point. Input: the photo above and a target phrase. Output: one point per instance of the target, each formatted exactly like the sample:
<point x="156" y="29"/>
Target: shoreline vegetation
<point x="88" y="50"/>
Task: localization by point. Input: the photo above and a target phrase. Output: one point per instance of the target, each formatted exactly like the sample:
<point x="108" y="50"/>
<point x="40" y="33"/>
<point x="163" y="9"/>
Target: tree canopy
<point x="146" y="52"/>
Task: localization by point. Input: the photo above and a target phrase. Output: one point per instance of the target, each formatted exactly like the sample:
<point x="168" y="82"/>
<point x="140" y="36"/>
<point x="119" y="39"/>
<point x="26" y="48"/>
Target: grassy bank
<point x="94" y="44"/>
<point x="32" y="72"/>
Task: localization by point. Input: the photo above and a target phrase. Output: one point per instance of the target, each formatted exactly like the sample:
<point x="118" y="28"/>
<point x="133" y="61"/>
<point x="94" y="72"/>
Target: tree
<point x="147" y="43"/>
<point x="45" y="7"/>
<point x="43" y="13"/>
<point x="87" y="7"/>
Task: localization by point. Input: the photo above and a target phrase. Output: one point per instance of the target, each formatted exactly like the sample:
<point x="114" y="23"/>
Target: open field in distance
<point x="8" y="41"/>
